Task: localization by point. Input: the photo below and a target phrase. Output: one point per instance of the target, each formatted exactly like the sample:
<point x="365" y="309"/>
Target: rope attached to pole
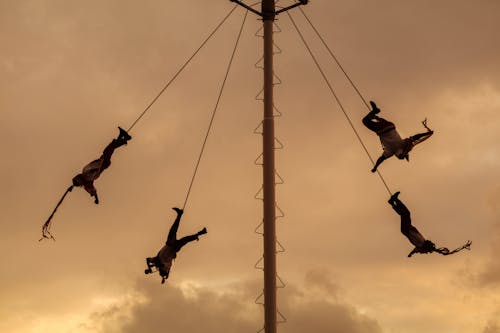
<point x="215" y="110"/>
<point x="335" y="59"/>
<point x="181" y="69"/>
<point x="338" y="101"/>
<point x="46" y="226"/>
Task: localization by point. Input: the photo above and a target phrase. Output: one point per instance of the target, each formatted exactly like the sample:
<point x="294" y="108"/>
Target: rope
<point x="46" y="226"/>
<point x="181" y="69"/>
<point x="215" y="110"/>
<point x="338" y="100"/>
<point x="335" y="58"/>
<point x="444" y="251"/>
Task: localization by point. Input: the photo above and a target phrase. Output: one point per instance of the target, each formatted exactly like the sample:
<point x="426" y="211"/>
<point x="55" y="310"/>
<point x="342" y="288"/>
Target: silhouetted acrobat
<point x="422" y="245"/>
<point x="164" y="258"/>
<point x="389" y="137"/>
<point x="93" y="170"/>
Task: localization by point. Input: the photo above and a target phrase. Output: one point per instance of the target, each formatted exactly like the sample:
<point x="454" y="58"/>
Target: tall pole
<point x="268" y="15"/>
<point x="270" y="307"/>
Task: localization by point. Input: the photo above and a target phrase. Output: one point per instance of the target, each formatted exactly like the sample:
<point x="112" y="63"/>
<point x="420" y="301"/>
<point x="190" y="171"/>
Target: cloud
<point x="192" y="308"/>
<point x="318" y="279"/>
<point x="489" y="276"/>
<point x="492" y="327"/>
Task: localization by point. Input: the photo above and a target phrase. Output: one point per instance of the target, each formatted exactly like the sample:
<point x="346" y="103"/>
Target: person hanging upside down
<point x="164" y="258"/>
<point x="93" y="170"/>
<point x="421" y="244"/>
<point x="389" y="137"/>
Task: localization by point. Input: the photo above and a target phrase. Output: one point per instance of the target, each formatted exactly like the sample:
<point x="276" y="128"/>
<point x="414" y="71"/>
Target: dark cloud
<point x="202" y="309"/>
<point x="72" y="71"/>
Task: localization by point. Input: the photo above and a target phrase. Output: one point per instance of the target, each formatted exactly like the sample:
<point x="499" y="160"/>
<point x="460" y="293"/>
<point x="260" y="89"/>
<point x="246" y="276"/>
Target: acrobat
<point x="389" y="137"/>
<point x="421" y="244"/>
<point x="164" y="258"/>
<point x="93" y="170"/>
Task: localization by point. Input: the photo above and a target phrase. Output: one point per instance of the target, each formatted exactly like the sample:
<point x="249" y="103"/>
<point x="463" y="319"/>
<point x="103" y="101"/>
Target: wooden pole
<point x="270" y="307"/>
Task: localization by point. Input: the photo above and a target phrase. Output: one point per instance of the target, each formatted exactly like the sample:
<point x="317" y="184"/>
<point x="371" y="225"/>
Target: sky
<point x="71" y="72"/>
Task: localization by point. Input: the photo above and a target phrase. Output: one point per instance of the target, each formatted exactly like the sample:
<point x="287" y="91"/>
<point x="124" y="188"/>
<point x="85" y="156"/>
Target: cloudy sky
<point x="72" y="71"/>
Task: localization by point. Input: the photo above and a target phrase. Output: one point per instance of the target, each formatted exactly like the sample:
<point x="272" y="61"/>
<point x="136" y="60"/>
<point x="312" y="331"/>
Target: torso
<point x="92" y="170"/>
<point x="415" y="237"/>
<point x="166" y="255"/>
<point x="393" y="144"/>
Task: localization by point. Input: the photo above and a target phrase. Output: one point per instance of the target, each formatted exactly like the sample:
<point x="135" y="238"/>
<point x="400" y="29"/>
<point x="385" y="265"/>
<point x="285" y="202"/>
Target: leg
<point x="184" y="240"/>
<point x="123" y="135"/>
<point x="108" y="152"/>
<point x="400" y="208"/>
<point x="379" y="161"/>
<point x="370" y="121"/>
<point x="150" y="262"/>
<point x="405" y="222"/>
<point x="377" y="124"/>
<point x="172" y="234"/>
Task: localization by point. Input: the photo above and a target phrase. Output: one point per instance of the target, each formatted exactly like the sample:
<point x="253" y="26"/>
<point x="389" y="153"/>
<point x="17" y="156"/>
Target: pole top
<point x="269" y="11"/>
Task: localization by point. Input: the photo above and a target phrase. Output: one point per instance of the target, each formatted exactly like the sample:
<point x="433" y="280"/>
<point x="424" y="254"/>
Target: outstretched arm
<point x="89" y="187"/>
<point x="379" y="161"/>
<point x="412" y="252"/>
<point x="421" y="137"/>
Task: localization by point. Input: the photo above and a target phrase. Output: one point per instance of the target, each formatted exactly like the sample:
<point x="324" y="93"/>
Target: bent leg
<point x="184" y="240"/>
<point x="370" y="121"/>
<point x="152" y="262"/>
<point x="399" y="207"/>
<point x="108" y="152"/>
<point x="376" y="124"/>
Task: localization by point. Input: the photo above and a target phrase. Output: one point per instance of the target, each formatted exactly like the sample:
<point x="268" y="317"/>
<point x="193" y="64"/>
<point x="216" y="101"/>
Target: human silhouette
<point x="421" y="244"/>
<point x="93" y="170"/>
<point x="389" y="137"/>
<point x="163" y="260"/>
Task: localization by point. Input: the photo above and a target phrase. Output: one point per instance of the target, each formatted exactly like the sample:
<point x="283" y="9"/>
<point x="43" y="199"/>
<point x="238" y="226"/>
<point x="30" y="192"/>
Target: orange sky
<point x="71" y="72"/>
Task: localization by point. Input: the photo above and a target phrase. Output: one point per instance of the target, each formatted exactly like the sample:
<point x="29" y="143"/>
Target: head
<point x="428" y="247"/>
<point x="78" y="180"/>
<point x="163" y="273"/>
